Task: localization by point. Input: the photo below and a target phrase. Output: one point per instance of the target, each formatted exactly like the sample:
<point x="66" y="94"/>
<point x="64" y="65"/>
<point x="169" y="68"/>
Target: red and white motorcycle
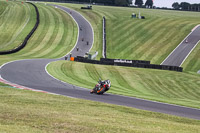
<point x="101" y="87"/>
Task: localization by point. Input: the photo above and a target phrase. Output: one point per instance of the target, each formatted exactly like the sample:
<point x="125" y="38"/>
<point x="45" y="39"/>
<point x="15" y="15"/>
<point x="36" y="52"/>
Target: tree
<point x="194" y="7"/>
<point x="120" y="2"/>
<point x="139" y="2"/>
<point x="149" y="3"/>
<point x="123" y="2"/>
<point x="129" y="1"/>
<point x="185" y="6"/>
<point x="176" y="5"/>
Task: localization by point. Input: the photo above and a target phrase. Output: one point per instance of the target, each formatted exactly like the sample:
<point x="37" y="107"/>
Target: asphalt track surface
<point x="32" y="74"/>
<point x="182" y="51"/>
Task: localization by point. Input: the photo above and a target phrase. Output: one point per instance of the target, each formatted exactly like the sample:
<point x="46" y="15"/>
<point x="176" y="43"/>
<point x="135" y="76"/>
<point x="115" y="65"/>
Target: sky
<point x="168" y="3"/>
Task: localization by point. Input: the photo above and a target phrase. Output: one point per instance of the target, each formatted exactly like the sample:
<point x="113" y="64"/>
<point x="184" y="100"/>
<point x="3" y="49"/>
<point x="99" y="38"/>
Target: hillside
<point x="55" y="37"/>
<point x="153" y="38"/>
<point x="27" y="111"/>
<point x="16" y="21"/>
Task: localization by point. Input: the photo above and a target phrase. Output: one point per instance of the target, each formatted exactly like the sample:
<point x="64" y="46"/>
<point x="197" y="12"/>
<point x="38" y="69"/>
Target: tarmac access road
<point x="32" y="74"/>
<point x="183" y="50"/>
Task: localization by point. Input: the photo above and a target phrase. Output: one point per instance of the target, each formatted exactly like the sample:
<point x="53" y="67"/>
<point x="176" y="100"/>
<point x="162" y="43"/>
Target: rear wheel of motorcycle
<point x="101" y="91"/>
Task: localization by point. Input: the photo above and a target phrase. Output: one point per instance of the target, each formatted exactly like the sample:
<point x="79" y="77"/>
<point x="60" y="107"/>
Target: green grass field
<point x="157" y="36"/>
<point x="25" y="111"/>
<point x="151" y="39"/>
<point x="192" y="63"/>
<point x="158" y="85"/>
<point x="55" y="37"/>
<point x="16" y="21"/>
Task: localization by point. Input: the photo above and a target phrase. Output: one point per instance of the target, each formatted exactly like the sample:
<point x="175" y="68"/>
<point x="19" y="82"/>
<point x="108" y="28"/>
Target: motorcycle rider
<point x="105" y="84"/>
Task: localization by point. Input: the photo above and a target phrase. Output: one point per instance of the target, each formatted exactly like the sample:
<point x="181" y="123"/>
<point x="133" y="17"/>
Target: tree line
<point x="140" y="3"/>
<point x="186" y="6"/>
<point x="105" y="2"/>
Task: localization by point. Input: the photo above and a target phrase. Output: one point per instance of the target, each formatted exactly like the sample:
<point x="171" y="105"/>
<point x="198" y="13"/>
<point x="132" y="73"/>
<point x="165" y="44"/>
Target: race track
<point x="31" y="73"/>
<point x="182" y="51"/>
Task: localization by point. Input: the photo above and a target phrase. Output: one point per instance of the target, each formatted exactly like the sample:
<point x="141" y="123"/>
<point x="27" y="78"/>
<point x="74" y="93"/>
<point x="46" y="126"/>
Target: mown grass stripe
<point x="145" y="40"/>
<point x="77" y="73"/>
<point x="155" y="87"/>
<point x="140" y="85"/>
<point x="45" y="42"/>
<point x="112" y="47"/>
<point x="166" y="45"/>
<point x="39" y="35"/>
<point x="121" y="79"/>
<point x="153" y="35"/>
<point x="134" y="27"/>
<point x="57" y="33"/>
<point x="141" y="42"/>
<point x="120" y="82"/>
<point x="193" y="61"/>
<point x="117" y="37"/>
<point x="67" y="42"/>
<point x="150" y="50"/>
<point x="191" y="91"/>
<point x="21" y="27"/>
<point x="106" y="13"/>
<point x="11" y="28"/>
<point x="93" y="72"/>
<point x="10" y="25"/>
<point x="150" y="84"/>
<point x="3" y="9"/>
<point x="6" y="13"/>
<point x="170" y="47"/>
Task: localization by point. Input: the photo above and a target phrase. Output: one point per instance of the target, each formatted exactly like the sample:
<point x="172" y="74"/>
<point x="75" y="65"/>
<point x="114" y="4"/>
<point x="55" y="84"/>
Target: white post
<point x="139" y="15"/>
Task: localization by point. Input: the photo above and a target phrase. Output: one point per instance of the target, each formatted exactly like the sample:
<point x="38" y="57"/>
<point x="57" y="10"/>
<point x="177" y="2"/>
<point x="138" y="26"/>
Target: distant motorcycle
<point x="101" y="87"/>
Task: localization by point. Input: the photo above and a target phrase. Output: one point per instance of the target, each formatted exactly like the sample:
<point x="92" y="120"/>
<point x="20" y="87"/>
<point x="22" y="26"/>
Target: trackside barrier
<point x="129" y="63"/>
<point x="120" y="61"/>
<point x="104" y="38"/>
<point x="27" y="37"/>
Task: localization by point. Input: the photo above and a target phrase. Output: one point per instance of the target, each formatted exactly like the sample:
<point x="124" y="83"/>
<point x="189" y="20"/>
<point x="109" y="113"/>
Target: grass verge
<point x="159" y="85"/>
<point x="13" y="34"/>
<point x="192" y="63"/>
<point x="26" y="111"/>
<point x="54" y="38"/>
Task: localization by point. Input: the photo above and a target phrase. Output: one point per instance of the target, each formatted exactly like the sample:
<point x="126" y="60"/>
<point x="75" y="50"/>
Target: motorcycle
<point x="101" y="87"/>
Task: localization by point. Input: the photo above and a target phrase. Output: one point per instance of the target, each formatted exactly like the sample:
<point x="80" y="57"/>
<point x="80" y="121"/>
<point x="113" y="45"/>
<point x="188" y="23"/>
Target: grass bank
<point x="159" y="85"/>
<point x="192" y="63"/>
<point x="16" y="21"/>
<point x="26" y="111"/>
<point x="96" y="21"/>
<point x="151" y="39"/>
<point x="55" y="37"/>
